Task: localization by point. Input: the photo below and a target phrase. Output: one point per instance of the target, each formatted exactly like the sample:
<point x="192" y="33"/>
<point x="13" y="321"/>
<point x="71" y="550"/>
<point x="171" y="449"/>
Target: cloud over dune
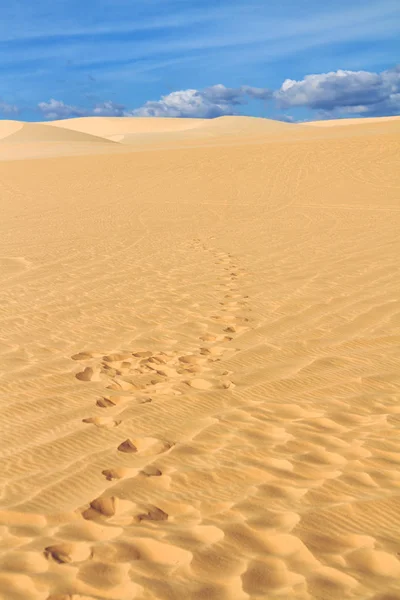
<point x="349" y="92"/>
<point x="56" y="109"/>
<point x="337" y="93"/>
<point x="214" y="101"/>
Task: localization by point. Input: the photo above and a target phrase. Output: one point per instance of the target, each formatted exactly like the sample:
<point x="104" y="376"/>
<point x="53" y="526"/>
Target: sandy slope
<point x="106" y="126"/>
<point x="335" y="122"/>
<point x="199" y="365"/>
<point x="8" y="128"/>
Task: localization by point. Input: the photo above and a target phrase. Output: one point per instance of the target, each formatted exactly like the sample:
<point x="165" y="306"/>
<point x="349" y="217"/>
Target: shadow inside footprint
<point x="151" y="471"/>
<point x="127" y="446"/>
<point x="106" y="423"/>
<point x="154" y="514"/>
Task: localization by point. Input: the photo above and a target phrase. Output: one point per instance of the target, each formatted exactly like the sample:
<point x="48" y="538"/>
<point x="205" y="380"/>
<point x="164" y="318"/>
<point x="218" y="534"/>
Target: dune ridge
<point x="199" y="362"/>
<point x="354" y="121"/>
<point x="93" y="135"/>
<point x="40" y="132"/>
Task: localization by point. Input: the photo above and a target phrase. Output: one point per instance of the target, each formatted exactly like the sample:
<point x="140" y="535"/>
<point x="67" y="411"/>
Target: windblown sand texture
<point x="199" y="360"/>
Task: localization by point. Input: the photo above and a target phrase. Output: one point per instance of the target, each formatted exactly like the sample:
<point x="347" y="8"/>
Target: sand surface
<point x="199" y="360"/>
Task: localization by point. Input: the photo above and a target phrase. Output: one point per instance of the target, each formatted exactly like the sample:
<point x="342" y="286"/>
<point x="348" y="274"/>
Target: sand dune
<point x="7" y="128"/>
<point x="38" y="132"/>
<point x="247" y="125"/>
<point x="336" y="122"/>
<point x="20" y="141"/>
<point x="148" y="131"/>
<point x="92" y="135"/>
<point x="106" y="126"/>
<point x="199" y="361"/>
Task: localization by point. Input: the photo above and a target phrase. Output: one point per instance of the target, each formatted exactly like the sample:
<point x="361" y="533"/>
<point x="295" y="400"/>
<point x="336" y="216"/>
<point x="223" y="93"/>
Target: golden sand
<point x="199" y="360"/>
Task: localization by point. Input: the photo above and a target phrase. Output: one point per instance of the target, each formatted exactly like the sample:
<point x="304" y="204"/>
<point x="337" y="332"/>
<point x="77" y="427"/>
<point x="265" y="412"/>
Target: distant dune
<point x="89" y="135"/>
<point x="8" y="128"/>
<point x="246" y="125"/>
<point x="338" y="122"/>
<point x="97" y="135"/>
<point x="108" y="126"/>
<point x="39" y="132"/>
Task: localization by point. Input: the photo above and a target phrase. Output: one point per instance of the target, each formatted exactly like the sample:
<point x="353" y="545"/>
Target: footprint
<point x="231" y="329"/>
<point x="107" y="507"/>
<point x="88" y="374"/>
<point x="118" y="473"/>
<point x="83" y="356"/>
<point x="199" y="384"/>
<point x="127" y="446"/>
<point x="165" y="371"/>
<point x="145" y="446"/>
<point x="151" y="471"/>
<point x="68" y="553"/>
<point x="142" y="354"/>
<point x="214" y="350"/>
<point x="208" y="337"/>
<point x="109" y="371"/>
<point x="153" y="514"/>
<point x="228" y="385"/>
<point x="191" y="359"/>
<point x="194" y="369"/>
<point x="106" y="422"/>
<point x="160" y="359"/>
<point x="109" y="401"/>
<point x="117" y="357"/>
<point x="120" y="385"/>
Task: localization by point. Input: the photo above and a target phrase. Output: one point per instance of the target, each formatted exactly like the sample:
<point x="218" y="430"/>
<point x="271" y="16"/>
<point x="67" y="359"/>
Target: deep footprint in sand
<point x="145" y="446"/>
<point x="107" y="506"/>
<point x="151" y="471"/>
<point x="83" y="356"/>
<point x="89" y="374"/>
<point x="105" y="422"/>
<point x="68" y="552"/>
<point x="110" y="401"/>
<point x="118" y="473"/>
<point x="199" y="384"/>
<point x="154" y="514"/>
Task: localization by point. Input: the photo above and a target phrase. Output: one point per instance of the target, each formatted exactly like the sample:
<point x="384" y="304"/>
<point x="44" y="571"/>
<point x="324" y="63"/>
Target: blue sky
<point x="292" y="60"/>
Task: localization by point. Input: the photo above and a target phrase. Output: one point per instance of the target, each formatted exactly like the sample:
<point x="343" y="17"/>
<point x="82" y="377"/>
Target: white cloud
<point x="211" y="102"/>
<point x="109" y="109"/>
<point x="56" y="109"/>
<point x="184" y="103"/>
<point x="332" y="95"/>
<point x="349" y="92"/>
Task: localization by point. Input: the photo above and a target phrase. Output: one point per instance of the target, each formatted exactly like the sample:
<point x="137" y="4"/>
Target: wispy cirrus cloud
<point x="243" y="26"/>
